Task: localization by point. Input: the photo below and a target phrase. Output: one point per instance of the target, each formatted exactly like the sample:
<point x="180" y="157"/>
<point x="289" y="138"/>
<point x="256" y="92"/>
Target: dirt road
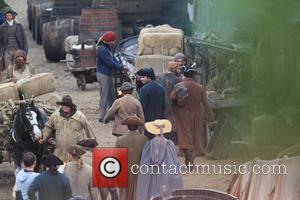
<point x="87" y="102"/>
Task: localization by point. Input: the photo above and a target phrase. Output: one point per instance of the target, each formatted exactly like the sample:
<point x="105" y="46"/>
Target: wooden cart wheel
<point x="81" y="82"/>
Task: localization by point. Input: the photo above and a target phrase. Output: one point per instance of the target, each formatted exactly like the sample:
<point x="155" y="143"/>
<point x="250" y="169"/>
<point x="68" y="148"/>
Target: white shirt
<point x="10" y="22"/>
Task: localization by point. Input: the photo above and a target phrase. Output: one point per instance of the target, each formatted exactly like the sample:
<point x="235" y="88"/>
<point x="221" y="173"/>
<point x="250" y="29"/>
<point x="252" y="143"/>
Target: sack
<point x="182" y="94"/>
<point x="9" y="91"/>
<point x="50" y="98"/>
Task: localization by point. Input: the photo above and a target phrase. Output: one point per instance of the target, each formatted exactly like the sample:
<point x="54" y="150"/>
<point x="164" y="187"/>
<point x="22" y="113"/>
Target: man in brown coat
<point x="189" y="97"/>
<point x="69" y="127"/>
<point x="124" y="107"/>
<point x="134" y="141"/>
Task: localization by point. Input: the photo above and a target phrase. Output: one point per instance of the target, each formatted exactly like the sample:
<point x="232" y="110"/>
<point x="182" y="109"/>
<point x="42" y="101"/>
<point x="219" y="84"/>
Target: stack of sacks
<point x="9" y="91"/>
<point x="158" y="45"/>
<point x="40" y="87"/>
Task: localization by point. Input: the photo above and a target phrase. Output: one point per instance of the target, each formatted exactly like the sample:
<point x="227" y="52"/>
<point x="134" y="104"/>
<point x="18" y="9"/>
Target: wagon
<point x="81" y="62"/>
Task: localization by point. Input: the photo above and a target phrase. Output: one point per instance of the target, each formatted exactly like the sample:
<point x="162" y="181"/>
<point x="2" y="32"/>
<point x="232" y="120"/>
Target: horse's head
<point x="29" y="116"/>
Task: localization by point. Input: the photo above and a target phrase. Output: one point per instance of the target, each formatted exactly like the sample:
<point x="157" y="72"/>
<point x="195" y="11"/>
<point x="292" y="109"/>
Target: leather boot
<point x="189" y="159"/>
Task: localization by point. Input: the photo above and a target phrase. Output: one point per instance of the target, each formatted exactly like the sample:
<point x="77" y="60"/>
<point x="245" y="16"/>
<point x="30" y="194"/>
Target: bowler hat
<point x="76" y="150"/>
<point x="52" y="160"/>
<point x="146" y="72"/>
<point x="132" y="121"/>
<point x="66" y="101"/>
<point x="159" y="126"/>
<point x="127" y="86"/>
<point x="90" y="143"/>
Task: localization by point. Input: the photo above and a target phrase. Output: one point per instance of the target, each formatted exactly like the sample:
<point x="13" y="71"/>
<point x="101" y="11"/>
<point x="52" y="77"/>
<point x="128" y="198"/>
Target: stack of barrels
<point x="102" y="17"/>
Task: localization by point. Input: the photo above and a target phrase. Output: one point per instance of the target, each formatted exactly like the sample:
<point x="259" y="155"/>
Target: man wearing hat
<point x="51" y="184"/>
<point x="20" y="68"/>
<point x="134" y="142"/>
<point x="189" y="115"/>
<point x="124" y="107"/>
<point x="106" y="63"/>
<point x="88" y="145"/>
<point x="168" y="80"/>
<point x="79" y="173"/>
<point x="152" y="97"/>
<point x="12" y="37"/>
<point x="68" y="125"/>
<point x="161" y="153"/>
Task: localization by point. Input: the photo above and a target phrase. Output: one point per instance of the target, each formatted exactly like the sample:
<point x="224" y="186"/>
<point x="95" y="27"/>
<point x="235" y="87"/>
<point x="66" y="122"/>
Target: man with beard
<point x="12" y="37"/>
<point x="69" y="127"/>
<point x="20" y="68"/>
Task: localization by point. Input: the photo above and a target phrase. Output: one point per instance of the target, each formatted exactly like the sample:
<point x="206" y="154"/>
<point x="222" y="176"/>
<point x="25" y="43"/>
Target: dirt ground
<point x="87" y="102"/>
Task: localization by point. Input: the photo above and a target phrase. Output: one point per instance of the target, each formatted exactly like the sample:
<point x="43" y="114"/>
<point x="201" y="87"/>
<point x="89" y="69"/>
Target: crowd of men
<point x="168" y="112"/>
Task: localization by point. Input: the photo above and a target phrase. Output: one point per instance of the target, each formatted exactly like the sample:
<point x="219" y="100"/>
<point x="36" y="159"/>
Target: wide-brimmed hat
<point x="159" y="126"/>
<point x="127" y="86"/>
<point x="146" y="72"/>
<point x="66" y="101"/>
<point x="132" y="121"/>
<point x="76" y="150"/>
<point x="9" y="10"/>
<point x="52" y="160"/>
<point x="90" y="143"/>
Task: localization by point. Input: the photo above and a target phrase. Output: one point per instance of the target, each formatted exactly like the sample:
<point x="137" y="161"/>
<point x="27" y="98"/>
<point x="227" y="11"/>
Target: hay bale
<point x="157" y="62"/>
<point x="37" y="85"/>
<point x="161" y="38"/>
<point x="9" y="91"/>
<point x="50" y="98"/>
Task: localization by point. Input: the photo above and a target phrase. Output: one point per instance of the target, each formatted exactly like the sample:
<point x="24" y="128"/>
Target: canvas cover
<point x="157" y="151"/>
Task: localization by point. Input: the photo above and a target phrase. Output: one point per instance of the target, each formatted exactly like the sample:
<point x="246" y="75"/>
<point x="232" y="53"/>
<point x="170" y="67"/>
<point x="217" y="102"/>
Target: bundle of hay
<point x="159" y="63"/>
<point x="160" y="40"/>
<point x="9" y="91"/>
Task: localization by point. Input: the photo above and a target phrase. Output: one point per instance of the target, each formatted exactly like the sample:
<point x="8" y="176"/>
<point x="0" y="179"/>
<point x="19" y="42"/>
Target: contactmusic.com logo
<point x="110" y="167"/>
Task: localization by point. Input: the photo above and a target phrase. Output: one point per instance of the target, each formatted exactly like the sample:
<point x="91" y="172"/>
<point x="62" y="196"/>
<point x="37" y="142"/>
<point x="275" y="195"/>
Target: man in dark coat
<point x="12" y="37"/>
<point x="106" y="63"/>
<point x="51" y="184"/>
<point x="188" y="115"/>
<point x="134" y="142"/>
<point x="168" y="80"/>
<point x="152" y="97"/>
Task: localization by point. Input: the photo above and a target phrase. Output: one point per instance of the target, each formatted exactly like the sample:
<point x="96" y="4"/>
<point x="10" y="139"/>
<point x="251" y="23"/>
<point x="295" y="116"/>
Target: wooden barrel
<point x="98" y="3"/>
<point x="96" y="21"/>
<point x="66" y="8"/>
<point x="131" y="11"/>
<point x="54" y="35"/>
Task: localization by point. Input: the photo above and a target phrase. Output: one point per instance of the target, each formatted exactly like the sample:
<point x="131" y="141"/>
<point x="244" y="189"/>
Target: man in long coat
<point x="79" y="173"/>
<point x="124" y="107"/>
<point x="69" y="127"/>
<point x="168" y="80"/>
<point x="134" y="141"/>
<point x="12" y="37"/>
<point x="152" y="97"/>
<point x="189" y="115"/>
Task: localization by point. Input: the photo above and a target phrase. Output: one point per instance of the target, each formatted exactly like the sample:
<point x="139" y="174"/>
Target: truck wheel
<point x="81" y="82"/>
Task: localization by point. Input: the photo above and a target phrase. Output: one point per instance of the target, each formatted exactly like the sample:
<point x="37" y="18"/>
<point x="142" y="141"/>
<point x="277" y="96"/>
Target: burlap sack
<point x="9" y="91"/>
<point x="50" y="98"/>
<point x="161" y="37"/>
<point x="70" y="41"/>
<point x="37" y="85"/>
<point x="157" y="62"/>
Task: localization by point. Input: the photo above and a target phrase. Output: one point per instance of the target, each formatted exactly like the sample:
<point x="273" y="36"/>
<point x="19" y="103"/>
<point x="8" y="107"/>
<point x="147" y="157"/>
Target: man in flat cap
<point x="68" y="125"/>
<point x="152" y="97"/>
<point x="12" y="37"/>
<point x="189" y="97"/>
<point x="124" y="107"/>
<point x="51" y="184"/>
<point x="134" y="142"/>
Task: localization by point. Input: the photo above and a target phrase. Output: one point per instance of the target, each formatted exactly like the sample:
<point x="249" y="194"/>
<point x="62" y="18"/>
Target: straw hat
<point x="159" y="126"/>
